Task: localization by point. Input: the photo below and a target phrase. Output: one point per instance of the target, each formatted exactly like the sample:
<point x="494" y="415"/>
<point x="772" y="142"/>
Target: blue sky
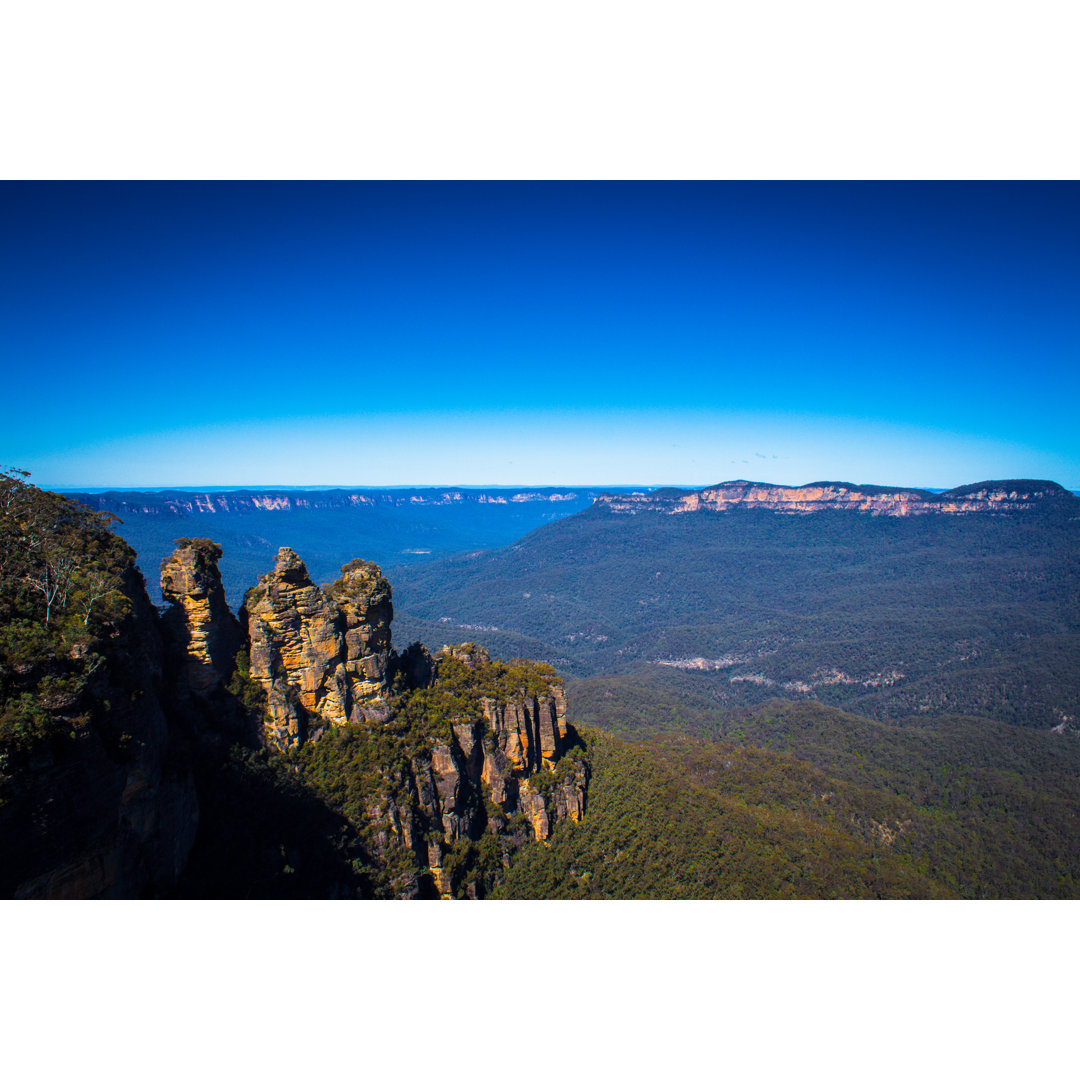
<point x="257" y="334"/>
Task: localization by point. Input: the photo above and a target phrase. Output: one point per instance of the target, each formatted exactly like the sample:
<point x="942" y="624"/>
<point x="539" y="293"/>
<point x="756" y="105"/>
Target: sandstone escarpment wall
<point x="991" y="497"/>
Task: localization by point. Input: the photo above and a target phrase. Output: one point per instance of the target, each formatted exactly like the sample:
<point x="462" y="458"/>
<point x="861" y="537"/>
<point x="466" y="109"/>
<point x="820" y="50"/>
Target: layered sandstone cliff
<point x="988" y="497"/>
<point x="505" y="765"/>
<point x="203" y="633"/>
<point x="321" y="658"/>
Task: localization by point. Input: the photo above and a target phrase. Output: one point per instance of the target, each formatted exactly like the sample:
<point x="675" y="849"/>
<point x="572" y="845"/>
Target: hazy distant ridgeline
<point x="248" y="500"/>
<point x="329" y="527"/>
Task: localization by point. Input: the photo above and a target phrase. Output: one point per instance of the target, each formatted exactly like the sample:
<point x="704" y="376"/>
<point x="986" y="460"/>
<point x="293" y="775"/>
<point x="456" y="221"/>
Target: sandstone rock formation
<point x="515" y="756"/>
<point x="201" y="628"/>
<point x="362" y="597"/>
<point x="435" y="772"/>
<point x="476" y="747"/>
<point x="321" y="657"/>
<point x="526" y="728"/>
<point x="512" y="769"/>
<point x="991" y="496"/>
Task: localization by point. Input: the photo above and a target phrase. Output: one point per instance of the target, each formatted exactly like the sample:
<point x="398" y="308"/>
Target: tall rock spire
<point x="204" y="632"/>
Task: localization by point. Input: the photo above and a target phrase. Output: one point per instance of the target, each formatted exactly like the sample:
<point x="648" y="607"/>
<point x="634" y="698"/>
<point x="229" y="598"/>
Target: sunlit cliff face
<point x="899" y="502"/>
<point x="317" y="653"/>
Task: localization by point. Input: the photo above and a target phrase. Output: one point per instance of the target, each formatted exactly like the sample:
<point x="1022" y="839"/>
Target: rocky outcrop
<point x="321" y="658"/>
<point x="362" y="597"/>
<point x="991" y="496"/>
<point x="503" y="769"/>
<point x="125" y="730"/>
<point x="525" y="728"/>
<point x="529" y="730"/>
<point x="203" y="633"/>
<point x="520" y="762"/>
<point x="459" y="747"/>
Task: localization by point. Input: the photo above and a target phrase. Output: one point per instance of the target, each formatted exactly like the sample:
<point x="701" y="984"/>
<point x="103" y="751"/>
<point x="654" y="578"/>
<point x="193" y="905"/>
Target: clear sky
<point x="511" y="333"/>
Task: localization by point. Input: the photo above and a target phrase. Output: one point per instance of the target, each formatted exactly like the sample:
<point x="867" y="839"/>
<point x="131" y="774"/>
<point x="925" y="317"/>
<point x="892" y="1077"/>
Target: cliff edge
<point x="991" y="496"/>
<point x="96" y="798"/>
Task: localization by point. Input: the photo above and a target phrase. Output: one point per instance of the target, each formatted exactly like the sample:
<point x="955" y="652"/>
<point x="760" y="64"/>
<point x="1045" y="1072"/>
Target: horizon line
<point x="201" y="488"/>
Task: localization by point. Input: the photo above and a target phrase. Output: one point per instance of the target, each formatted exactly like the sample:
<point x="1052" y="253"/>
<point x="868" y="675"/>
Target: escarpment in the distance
<point x="183" y="503"/>
<point x="886" y="614"/>
<point x="986" y="497"/>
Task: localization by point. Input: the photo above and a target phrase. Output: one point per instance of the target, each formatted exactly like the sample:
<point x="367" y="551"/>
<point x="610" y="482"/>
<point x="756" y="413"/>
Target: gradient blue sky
<point x="512" y="333"/>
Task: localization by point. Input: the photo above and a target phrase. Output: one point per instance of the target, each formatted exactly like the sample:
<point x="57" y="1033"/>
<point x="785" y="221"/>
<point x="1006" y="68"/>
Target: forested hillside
<point x="800" y="800"/>
<point x="889" y="616"/>
<point x="96" y="798"/>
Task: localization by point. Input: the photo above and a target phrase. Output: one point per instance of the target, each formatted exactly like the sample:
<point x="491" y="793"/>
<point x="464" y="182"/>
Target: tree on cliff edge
<point x="56" y="555"/>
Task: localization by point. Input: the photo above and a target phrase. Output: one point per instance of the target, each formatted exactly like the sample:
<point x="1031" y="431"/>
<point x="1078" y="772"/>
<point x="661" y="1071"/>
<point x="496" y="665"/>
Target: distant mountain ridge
<point x="328" y="526"/>
<point x="987" y="496"/>
<point x="992" y="495"/>
<point x="194" y="501"/>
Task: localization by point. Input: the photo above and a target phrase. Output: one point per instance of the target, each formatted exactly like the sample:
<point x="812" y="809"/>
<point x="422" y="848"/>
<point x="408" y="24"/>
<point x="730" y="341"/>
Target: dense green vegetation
<point x="975" y="613"/>
<point x="743" y="824"/>
<point x="796" y="799"/>
<point x="991" y="810"/>
<point x="62" y="588"/>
